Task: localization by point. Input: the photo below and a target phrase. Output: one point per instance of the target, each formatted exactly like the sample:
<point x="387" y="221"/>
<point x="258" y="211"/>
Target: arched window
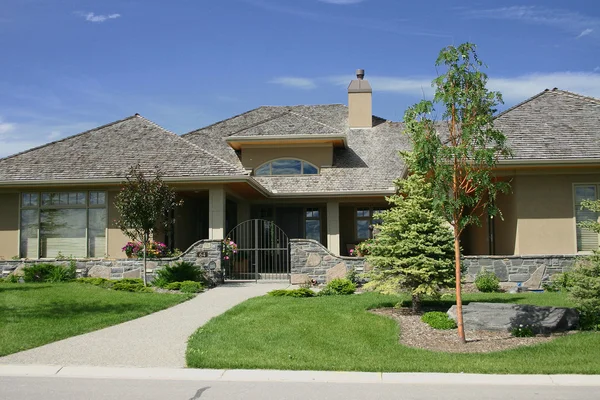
<point x="286" y="166"/>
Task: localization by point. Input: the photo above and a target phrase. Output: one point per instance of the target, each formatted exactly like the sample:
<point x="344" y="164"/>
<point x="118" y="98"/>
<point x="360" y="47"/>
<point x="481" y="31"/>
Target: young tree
<point x="414" y="248"/>
<point x="143" y="205"/>
<point x="458" y="154"/>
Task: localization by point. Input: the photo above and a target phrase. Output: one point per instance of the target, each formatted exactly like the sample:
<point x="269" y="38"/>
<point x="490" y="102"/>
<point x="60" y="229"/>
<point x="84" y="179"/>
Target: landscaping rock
<point x="314" y="260"/>
<point x="18" y="271"/>
<point x="505" y="317"/>
<point x="134" y="273"/>
<point x="337" y="272"/>
<point x="535" y="281"/>
<point x="299" y="279"/>
<point x="99" y="272"/>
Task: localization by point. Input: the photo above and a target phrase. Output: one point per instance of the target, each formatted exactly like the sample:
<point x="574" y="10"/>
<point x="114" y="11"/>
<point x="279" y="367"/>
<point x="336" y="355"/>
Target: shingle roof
<point x="553" y="125"/>
<point x="110" y="150"/>
<point x="369" y="164"/>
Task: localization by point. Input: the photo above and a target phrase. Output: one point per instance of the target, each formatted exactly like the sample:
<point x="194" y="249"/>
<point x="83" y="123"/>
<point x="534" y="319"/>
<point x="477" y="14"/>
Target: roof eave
<point x="237" y="141"/>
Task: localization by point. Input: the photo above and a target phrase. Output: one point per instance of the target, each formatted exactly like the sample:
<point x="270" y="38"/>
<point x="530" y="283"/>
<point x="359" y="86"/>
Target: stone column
<point x="216" y="213"/>
<point x="333" y="227"/>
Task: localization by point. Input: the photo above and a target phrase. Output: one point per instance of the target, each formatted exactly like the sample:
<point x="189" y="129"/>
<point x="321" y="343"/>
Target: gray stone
<point x="18" y="271"/>
<point x="337" y="272"/>
<point x="518" y="277"/>
<point x="99" y="272"/>
<point x="299" y="279"/>
<point x="134" y="273"/>
<point x="535" y="280"/>
<point x="504" y="317"/>
<point x="314" y="260"/>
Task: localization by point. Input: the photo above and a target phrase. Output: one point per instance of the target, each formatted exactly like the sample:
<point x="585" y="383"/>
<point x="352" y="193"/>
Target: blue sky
<point x="70" y="65"/>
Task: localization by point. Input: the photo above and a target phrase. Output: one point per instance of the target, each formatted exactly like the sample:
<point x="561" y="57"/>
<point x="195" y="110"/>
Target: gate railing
<point x="263" y="252"/>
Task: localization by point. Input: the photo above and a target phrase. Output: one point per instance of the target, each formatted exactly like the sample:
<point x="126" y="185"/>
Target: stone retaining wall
<point x="529" y="270"/>
<point x="312" y="260"/>
<point x="204" y="253"/>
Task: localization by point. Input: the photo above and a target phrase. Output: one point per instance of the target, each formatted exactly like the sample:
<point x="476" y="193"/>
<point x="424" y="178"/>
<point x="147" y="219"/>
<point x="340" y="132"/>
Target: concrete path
<point x="156" y="340"/>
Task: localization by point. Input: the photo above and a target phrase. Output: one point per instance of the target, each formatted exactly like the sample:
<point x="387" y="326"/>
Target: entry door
<point x="290" y="219"/>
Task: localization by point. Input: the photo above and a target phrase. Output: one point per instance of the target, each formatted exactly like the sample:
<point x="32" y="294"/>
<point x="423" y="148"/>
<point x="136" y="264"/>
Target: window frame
<point x="86" y="205"/>
<point x="370" y="218"/>
<point x="270" y="164"/>
<point x="574" y="198"/>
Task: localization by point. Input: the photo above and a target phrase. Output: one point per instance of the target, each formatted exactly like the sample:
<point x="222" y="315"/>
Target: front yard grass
<point x="337" y="333"/>
<point x="33" y="314"/>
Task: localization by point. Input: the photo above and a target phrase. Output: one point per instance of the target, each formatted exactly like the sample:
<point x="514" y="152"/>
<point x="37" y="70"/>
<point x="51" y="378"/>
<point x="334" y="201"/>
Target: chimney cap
<point x="360" y="73"/>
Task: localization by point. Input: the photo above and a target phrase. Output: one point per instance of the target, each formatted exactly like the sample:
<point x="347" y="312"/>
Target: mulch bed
<point x="418" y="334"/>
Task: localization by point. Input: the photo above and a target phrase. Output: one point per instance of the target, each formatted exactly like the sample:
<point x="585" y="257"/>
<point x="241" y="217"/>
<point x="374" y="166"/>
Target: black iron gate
<point x="263" y="252"/>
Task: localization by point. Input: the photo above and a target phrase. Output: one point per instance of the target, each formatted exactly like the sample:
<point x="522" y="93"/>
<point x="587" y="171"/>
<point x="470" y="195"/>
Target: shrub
<point x="438" y="320"/>
<point x="191" y="287"/>
<point x="95" y="281"/>
<point x="173" y="286"/>
<point x="49" y="273"/>
<point x="130" y="285"/>
<point x="487" y="282"/>
<point x="584" y="288"/>
<point x="302" y="292"/>
<point x="558" y="283"/>
<point x="178" y="272"/>
<point x="522" y="331"/>
<point x="353" y="276"/>
<point x="338" y="287"/>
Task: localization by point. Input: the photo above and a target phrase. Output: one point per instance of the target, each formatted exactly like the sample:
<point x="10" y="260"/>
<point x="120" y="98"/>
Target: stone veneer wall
<point x="204" y="253"/>
<point x="312" y="260"/>
<point x="529" y="270"/>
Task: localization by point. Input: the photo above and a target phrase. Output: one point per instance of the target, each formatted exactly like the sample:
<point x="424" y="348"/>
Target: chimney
<point x="360" y="99"/>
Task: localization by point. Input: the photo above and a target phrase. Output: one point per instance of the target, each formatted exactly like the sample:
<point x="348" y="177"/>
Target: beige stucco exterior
<point x="360" y="113"/>
<point x="9" y="225"/>
<point x="539" y="215"/>
<point x="321" y="155"/>
<point x="115" y="238"/>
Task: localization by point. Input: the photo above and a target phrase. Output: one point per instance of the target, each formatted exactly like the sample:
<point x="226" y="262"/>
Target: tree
<point x="143" y="205"/>
<point x="414" y="247"/>
<point x="459" y="161"/>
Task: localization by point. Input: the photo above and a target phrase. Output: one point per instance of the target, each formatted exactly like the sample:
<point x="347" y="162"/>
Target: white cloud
<point x="6" y="128"/>
<point x="294" y="82"/>
<point x="568" y="21"/>
<point x="91" y="17"/>
<point x="597" y="68"/>
<point x="585" y="32"/>
<point x="513" y="89"/>
<point x="342" y="2"/>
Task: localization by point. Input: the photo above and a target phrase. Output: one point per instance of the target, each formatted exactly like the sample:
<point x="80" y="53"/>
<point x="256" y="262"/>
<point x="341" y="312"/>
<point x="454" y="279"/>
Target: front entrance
<point x="263" y="252"/>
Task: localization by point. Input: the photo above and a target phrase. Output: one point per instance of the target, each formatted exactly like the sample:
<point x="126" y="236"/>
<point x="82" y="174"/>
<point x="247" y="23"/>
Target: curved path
<point x="156" y="340"/>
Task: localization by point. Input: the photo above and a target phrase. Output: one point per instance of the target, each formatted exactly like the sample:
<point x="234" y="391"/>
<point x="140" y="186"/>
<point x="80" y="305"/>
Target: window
<point x="69" y="223"/>
<point x="312" y="224"/>
<point x="586" y="240"/>
<point x="286" y="166"/>
<point x="365" y="218"/>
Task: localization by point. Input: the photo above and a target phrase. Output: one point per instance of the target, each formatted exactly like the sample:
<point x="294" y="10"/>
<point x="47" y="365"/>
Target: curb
<point x="237" y="375"/>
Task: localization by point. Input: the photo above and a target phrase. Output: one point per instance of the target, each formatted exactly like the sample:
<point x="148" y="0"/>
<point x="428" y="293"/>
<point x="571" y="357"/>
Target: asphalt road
<point x="57" y="388"/>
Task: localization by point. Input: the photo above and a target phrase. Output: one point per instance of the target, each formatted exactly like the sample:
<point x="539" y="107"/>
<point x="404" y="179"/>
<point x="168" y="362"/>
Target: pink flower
<point x="226" y="257"/>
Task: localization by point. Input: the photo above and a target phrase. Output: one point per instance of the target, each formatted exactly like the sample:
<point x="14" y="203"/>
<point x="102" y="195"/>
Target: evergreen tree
<point x="414" y="249"/>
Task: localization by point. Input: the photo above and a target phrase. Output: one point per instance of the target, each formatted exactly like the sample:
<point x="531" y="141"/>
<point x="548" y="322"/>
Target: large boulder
<point x="505" y="317"/>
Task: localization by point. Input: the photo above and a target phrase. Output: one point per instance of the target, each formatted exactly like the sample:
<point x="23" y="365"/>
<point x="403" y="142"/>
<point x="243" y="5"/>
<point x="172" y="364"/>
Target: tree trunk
<point x="144" y="268"/>
<point x="416" y="303"/>
<point x="459" y="313"/>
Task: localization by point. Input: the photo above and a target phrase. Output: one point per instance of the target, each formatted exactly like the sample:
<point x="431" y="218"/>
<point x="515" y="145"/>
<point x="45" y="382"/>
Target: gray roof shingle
<point x="109" y="151"/>
<point x="553" y="125"/>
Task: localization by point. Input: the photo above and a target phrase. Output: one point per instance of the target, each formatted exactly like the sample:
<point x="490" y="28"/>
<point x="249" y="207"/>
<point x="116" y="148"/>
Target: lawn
<point x="38" y="313"/>
<point x="337" y="333"/>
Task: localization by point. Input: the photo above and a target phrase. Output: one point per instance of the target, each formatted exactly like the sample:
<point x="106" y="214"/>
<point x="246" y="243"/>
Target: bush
<point x="487" y="282"/>
<point x="130" y="285"/>
<point x="49" y="273"/>
<point x="338" y="287"/>
<point x="584" y="288"/>
<point x="302" y="292"/>
<point x="558" y="283"/>
<point x="191" y="287"/>
<point x="173" y="286"/>
<point x="438" y="320"/>
<point x="522" y="331"/>
<point x="178" y="272"/>
<point x="95" y="281"/>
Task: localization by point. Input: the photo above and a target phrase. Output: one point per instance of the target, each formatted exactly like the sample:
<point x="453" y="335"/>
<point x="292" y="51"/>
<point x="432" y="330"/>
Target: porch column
<point x="216" y="213"/>
<point x="333" y="227"/>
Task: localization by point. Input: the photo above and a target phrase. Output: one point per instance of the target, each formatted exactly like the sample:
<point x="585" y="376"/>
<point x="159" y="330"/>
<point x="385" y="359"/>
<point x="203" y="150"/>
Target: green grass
<point x="37" y="313"/>
<point x="337" y="333"/>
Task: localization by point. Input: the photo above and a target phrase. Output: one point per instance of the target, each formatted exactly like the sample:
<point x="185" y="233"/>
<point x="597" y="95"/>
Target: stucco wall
<point x="360" y="113"/>
<point x="115" y="239"/>
<point x="319" y="155"/>
<point x="9" y="225"/>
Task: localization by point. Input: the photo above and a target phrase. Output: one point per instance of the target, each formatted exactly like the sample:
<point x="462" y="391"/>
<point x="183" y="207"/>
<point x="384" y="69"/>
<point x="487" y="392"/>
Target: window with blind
<point x="71" y="224"/>
<point x="586" y="240"/>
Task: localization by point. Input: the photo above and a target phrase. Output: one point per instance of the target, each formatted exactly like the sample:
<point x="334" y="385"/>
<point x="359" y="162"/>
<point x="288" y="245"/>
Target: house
<point x="318" y="172"/>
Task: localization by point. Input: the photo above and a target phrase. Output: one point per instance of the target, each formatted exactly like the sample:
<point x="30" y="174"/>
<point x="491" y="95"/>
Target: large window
<point x="365" y="219"/>
<point x="312" y="224"/>
<point x="286" y="166"/>
<point x="63" y="223"/>
<point x="586" y="240"/>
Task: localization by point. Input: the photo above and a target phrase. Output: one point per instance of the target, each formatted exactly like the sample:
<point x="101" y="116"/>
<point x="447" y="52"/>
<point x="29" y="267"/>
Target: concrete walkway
<point x="156" y="340"/>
